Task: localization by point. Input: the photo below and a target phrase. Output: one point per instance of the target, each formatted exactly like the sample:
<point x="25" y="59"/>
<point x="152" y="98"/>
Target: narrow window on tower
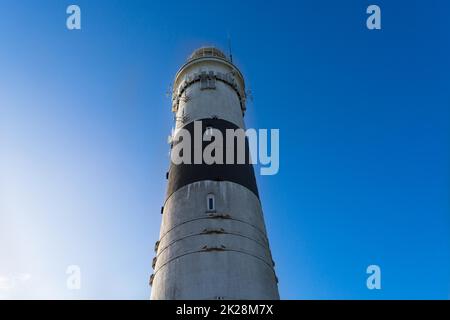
<point x="203" y="81"/>
<point x="210" y="203"/>
<point x="207" y="80"/>
<point x="211" y="80"/>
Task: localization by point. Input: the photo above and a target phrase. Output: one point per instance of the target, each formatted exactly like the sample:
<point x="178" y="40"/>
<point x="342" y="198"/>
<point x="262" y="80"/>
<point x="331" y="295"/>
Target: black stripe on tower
<point x="184" y="174"/>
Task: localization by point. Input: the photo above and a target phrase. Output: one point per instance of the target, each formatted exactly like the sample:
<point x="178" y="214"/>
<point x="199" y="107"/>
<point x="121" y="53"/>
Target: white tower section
<point x="213" y="242"/>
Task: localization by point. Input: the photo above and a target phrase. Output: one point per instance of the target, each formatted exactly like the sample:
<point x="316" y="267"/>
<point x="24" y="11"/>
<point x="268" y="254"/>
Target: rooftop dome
<point x="207" y="52"/>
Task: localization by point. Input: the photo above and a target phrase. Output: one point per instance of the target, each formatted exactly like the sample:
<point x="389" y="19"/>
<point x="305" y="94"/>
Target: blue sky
<point x="364" y="141"/>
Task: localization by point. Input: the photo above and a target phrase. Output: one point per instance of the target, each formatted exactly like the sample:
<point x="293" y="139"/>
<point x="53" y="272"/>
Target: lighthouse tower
<point x="213" y="242"/>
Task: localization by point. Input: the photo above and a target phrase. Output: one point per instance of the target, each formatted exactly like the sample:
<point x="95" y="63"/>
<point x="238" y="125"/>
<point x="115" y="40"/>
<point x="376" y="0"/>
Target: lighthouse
<point x="213" y="242"/>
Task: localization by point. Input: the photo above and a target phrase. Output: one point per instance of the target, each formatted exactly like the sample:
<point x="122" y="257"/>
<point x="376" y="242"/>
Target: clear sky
<point x="364" y="133"/>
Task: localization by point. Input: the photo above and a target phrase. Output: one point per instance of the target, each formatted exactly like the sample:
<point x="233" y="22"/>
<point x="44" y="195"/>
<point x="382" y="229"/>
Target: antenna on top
<point x="229" y="47"/>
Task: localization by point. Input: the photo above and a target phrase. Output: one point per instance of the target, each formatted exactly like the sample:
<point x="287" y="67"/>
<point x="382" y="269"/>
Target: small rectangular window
<point x="207" y="80"/>
<point x="203" y="81"/>
<point x="211" y="204"/>
<point x="211" y="80"/>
